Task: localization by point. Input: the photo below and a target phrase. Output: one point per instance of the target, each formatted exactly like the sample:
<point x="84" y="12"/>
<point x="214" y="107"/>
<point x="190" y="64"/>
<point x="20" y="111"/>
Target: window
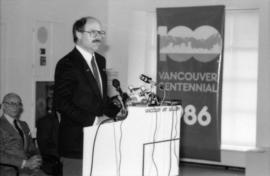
<point x="239" y="95"/>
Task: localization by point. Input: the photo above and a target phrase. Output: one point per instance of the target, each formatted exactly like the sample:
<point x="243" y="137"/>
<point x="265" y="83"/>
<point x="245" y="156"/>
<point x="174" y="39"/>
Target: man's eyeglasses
<point x="14" y="104"/>
<point x="95" y="33"/>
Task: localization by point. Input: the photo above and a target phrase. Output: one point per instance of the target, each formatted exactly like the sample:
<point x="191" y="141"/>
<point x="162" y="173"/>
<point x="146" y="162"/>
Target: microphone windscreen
<point x="116" y="83"/>
<point x="145" y="78"/>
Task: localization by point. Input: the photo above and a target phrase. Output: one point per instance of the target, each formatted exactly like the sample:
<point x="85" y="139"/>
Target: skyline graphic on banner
<point x="181" y="43"/>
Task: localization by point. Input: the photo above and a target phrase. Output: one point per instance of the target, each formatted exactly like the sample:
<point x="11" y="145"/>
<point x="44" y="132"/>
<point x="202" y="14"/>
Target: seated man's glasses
<point x="14" y="104"/>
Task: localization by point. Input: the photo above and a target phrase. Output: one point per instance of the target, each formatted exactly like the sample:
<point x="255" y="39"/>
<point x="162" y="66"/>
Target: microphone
<point x="123" y="98"/>
<point x="147" y="79"/>
<point x="132" y="89"/>
<point x="116" y="85"/>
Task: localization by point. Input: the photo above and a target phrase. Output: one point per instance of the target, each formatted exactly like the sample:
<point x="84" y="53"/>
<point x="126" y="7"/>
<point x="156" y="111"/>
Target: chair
<point x="12" y="166"/>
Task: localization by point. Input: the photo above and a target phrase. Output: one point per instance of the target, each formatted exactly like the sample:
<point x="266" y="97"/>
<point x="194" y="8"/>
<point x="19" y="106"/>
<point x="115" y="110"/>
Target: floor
<point x="206" y="170"/>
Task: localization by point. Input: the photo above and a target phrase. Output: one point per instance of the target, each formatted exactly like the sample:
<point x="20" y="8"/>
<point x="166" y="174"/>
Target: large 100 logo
<point x="181" y="43"/>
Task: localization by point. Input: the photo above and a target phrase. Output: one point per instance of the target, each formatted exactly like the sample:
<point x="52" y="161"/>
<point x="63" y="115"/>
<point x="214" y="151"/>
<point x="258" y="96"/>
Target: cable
<point x="154" y="139"/>
<point x="115" y="147"/>
<point x="170" y="163"/>
<point x="176" y="130"/>
<point x="120" y="148"/>
<point x="94" y="143"/>
<point x="164" y="96"/>
<point x="178" y="120"/>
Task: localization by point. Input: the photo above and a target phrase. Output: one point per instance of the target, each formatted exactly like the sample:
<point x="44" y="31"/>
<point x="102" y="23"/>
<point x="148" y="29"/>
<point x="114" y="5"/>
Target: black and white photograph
<point x="134" y="88"/>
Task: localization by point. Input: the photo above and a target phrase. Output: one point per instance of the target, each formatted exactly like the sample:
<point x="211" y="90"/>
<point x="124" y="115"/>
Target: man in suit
<point x="16" y="144"/>
<point x="80" y="92"/>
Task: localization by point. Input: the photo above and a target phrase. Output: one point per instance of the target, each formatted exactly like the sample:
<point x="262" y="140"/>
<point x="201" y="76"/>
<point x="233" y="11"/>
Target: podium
<point x="146" y="143"/>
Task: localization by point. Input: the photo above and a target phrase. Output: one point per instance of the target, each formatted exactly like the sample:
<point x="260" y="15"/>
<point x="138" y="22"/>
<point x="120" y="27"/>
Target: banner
<point x="189" y="68"/>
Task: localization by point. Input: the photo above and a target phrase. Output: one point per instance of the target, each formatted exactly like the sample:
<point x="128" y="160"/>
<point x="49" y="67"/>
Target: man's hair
<point x="9" y="95"/>
<point x="79" y="25"/>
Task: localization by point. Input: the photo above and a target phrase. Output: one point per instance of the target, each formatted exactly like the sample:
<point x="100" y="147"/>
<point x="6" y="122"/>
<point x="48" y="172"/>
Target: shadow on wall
<point x="44" y="98"/>
<point x="1" y="111"/>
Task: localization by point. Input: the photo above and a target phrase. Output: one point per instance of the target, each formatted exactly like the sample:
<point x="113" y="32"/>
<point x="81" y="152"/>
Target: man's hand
<point x="122" y="114"/>
<point x="100" y="119"/>
<point x="116" y="100"/>
<point x="33" y="163"/>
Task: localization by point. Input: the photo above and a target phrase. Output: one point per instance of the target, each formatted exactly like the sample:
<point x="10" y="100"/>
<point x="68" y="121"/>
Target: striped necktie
<point x="96" y="73"/>
<point x="18" y="128"/>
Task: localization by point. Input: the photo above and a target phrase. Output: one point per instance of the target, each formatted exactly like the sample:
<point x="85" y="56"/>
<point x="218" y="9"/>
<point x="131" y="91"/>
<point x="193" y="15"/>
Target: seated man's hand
<point x="33" y="163"/>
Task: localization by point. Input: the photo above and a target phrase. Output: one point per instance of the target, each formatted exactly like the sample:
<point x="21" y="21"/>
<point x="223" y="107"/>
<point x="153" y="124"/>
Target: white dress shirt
<point x="88" y="58"/>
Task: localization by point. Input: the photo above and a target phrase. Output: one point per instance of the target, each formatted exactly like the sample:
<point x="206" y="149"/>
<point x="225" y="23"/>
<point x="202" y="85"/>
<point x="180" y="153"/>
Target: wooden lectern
<point x="146" y="143"/>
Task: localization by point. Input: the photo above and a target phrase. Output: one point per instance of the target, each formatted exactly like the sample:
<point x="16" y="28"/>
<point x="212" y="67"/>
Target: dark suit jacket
<point x="78" y="99"/>
<point x="12" y="150"/>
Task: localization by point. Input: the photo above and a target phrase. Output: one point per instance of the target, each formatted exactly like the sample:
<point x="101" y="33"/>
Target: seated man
<point x="16" y="144"/>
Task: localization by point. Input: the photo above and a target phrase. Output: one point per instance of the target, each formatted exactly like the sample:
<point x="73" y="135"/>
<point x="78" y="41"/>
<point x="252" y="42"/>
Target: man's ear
<point x="78" y="34"/>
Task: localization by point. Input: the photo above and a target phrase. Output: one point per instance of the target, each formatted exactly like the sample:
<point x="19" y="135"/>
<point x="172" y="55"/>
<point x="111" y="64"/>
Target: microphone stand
<point x="123" y="112"/>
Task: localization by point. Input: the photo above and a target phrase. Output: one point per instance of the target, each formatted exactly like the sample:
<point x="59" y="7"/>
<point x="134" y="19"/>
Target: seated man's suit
<point x="14" y="149"/>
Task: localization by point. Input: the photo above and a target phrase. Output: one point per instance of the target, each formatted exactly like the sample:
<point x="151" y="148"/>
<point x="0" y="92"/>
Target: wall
<point x="263" y="110"/>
